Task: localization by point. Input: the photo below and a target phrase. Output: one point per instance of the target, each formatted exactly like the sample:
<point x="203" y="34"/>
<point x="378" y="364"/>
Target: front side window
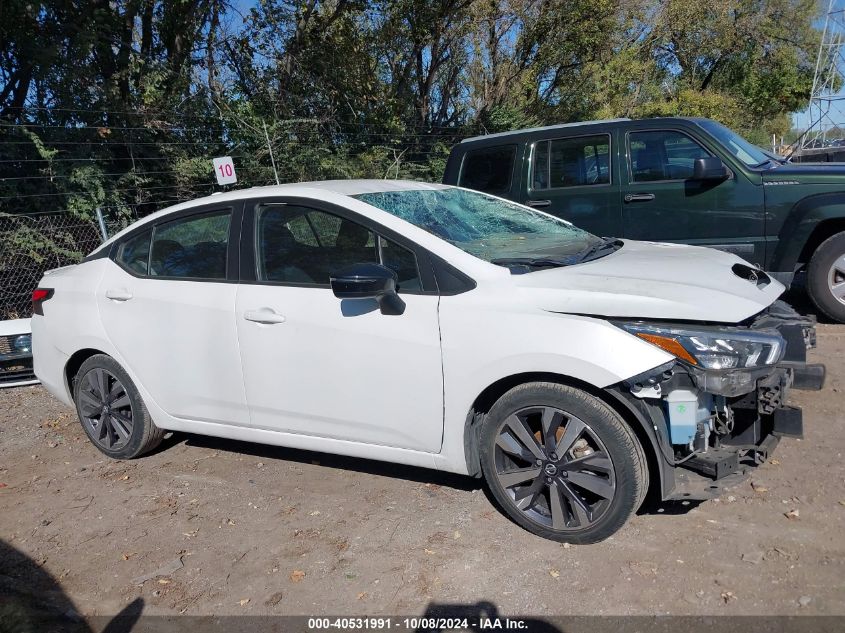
<point x="488" y="169"/>
<point x="305" y="246"/>
<point x="571" y="162"/>
<point x="194" y="247"/>
<point x="487" y="227"/>
<point x="663" y="155"/>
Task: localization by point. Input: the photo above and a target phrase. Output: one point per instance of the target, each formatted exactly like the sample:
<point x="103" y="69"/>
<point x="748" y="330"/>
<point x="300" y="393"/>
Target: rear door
<point x="167" y="304"/>
<point x="339" y="369"/>
<point x="573" y="178"/>
<point x="661" y="202"/>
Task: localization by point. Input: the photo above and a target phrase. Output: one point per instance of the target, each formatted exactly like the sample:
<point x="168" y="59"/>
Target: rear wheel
<point x="561" y="463"/>
<point x="826" y="277"/>
<point x="111" y="411"/>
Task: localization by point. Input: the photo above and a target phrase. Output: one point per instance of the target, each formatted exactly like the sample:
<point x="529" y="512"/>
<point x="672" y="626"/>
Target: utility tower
<point x="826" y="112"/>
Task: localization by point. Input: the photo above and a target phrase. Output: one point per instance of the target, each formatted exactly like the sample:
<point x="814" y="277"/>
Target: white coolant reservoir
<point x="686" y="407"/>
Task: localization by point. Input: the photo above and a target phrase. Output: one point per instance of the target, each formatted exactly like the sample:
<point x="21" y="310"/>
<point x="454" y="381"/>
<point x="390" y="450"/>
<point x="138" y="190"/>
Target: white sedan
<point x="433" y="326"/>
<point x="16" y="353"/>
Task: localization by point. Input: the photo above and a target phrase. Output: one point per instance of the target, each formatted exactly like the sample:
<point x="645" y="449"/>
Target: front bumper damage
<point x="742" y="415"/>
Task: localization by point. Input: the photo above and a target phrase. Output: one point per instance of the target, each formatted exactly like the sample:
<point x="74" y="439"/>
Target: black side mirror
<point x="710" y="168"/>
<point x="368" y="281"/>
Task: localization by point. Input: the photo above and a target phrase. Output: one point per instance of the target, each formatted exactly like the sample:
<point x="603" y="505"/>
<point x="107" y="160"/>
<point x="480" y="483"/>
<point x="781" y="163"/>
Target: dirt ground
<point x="236" y="528"/>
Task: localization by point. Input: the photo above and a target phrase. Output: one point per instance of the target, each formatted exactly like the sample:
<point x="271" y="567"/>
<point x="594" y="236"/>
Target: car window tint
<point x="134" y="254"/>
<point x="572" y="162"/>
<point x="194" y="247"/>
<point x="488" y="170"/>
<point x="663" y="155"/>
<point x="299" y="245"/>
<point x="403" y="262"/>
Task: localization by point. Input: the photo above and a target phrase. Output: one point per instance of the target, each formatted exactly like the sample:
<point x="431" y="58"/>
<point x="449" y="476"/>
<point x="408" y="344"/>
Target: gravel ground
<point x="236" y="528"/>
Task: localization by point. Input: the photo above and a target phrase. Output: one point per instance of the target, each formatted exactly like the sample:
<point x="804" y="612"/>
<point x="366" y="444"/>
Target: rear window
<point x="194" y="247"/>
<point x="488" y="170"/>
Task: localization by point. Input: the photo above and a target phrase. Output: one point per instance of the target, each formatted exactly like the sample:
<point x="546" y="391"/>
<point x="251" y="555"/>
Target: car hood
<point x="821" y="173"/>
<point x="651" y="280"/>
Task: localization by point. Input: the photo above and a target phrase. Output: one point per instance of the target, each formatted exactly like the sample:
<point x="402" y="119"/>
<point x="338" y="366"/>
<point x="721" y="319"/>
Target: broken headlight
<point x="713" y="348"/>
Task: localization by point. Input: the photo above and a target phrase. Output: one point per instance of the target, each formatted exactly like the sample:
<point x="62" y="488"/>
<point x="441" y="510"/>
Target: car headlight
<point x="713" y="348"/>
<point x="23" y="343"/>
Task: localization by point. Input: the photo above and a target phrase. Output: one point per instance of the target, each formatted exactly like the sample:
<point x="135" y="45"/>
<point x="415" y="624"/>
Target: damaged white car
<point x="433" y="326"/>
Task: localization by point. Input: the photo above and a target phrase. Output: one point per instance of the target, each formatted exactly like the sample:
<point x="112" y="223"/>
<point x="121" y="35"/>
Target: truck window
<point x="488" y="170"/>
<point x="571" y="162"/>
<point x="662" y="155"/>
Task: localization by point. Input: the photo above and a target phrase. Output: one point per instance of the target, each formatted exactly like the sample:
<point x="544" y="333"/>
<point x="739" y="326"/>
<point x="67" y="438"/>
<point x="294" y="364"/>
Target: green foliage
<point x="121" y="105"/>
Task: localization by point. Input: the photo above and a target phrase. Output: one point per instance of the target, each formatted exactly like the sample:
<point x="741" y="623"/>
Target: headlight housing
<point x="713" y="348"/>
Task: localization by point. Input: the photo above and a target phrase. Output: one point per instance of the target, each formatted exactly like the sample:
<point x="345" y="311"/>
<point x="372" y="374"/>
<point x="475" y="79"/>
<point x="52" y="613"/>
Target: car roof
<point x="305" y="189"/>
<point x="546" y="128"/>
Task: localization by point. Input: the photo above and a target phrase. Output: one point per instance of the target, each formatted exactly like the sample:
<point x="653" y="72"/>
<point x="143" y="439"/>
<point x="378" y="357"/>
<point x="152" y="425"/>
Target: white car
<point x="16" y="353"/>
<point x="433" y="326"/>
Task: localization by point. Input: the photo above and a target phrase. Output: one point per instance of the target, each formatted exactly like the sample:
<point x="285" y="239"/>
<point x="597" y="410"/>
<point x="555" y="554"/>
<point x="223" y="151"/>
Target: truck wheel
<point x="561" y="463"/>
<point x="826" y="277"/>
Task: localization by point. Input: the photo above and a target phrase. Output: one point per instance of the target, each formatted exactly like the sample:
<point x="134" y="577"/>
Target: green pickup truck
<point x="674" y="180"/>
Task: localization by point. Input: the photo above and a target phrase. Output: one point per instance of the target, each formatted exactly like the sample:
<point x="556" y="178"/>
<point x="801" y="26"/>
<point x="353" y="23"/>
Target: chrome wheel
<point x="836" y="279"/>
<point x="554" y="468"/>
<point x="105" y="409"/>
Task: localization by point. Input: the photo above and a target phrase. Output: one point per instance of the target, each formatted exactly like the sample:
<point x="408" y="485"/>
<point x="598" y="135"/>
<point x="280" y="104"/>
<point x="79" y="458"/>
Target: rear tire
<point x="826" y="277"/>
<point x="561" y="463"/>
<point x="111" y="410"/>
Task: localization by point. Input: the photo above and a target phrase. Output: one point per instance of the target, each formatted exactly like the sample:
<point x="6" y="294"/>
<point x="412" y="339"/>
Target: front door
<point x="571" y="178"/>
<point x="661" y="202"/>
<point x="317" y="365"/>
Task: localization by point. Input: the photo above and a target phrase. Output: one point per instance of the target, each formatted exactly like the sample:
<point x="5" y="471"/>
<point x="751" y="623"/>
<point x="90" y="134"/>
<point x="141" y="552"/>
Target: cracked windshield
<point x="489" y="228"/>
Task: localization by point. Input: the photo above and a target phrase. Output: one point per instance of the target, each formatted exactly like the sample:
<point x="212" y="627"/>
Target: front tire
<point x="111" y="411"/>
<point x="561" y="463"/>
<point x="826" y="277"/>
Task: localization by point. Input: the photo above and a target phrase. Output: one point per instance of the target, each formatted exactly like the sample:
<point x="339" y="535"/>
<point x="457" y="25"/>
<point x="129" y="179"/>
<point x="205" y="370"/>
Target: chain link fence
<point x="33" y="244"/>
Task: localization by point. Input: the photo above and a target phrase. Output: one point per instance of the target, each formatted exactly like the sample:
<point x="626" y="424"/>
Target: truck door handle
<point x="118" y="294"/>
<point x="638" y="197"/>
<point x="538" y="203"/>
<point x="267" y="316"/>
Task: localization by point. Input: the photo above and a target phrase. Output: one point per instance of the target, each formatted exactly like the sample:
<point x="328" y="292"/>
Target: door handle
<point x="638" y="197"/>
<point x="118" y="294"/>
<point x="266" y="316"/>
<point x="538" y="203"/>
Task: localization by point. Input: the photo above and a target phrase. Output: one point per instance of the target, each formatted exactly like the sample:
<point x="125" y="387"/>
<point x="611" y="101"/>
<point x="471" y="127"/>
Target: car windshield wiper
<point x="535" y="262"/>
<point x="593" y="252"/>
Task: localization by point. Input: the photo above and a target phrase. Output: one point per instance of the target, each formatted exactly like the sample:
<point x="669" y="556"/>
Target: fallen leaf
<point x="362" y="595"/>
<point x="428" y="551"/>
<point x="792" y="514"/>
<point x="244" y="602"/>
<point x="275" y="599"/>
<point x="6" y="485"/>
<point x="554" y="573"/>
<point x="727" y="596"/>
<point x="566" y="545"/>
<point x="297" y="575"/>
<point x="314" y="513"/>
<point x="774" y="461"/>
<point x="230" y="522"/>
<point x="842" y="503"/>
<point x="163" y="581"/>
<point x="759" y="488"/>
<point x="124" y="478"/>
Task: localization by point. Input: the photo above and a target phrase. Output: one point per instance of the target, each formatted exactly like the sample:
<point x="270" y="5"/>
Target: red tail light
<point x="39" y="296"/>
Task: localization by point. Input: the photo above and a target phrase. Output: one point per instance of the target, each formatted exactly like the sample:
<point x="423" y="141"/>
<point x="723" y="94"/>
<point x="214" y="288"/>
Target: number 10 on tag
<point x="224" y="169"/>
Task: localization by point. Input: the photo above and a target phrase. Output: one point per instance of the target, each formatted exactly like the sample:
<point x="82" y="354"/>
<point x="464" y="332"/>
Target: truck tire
<point x="561" y="463"/>
<point x="826" y="277"/>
